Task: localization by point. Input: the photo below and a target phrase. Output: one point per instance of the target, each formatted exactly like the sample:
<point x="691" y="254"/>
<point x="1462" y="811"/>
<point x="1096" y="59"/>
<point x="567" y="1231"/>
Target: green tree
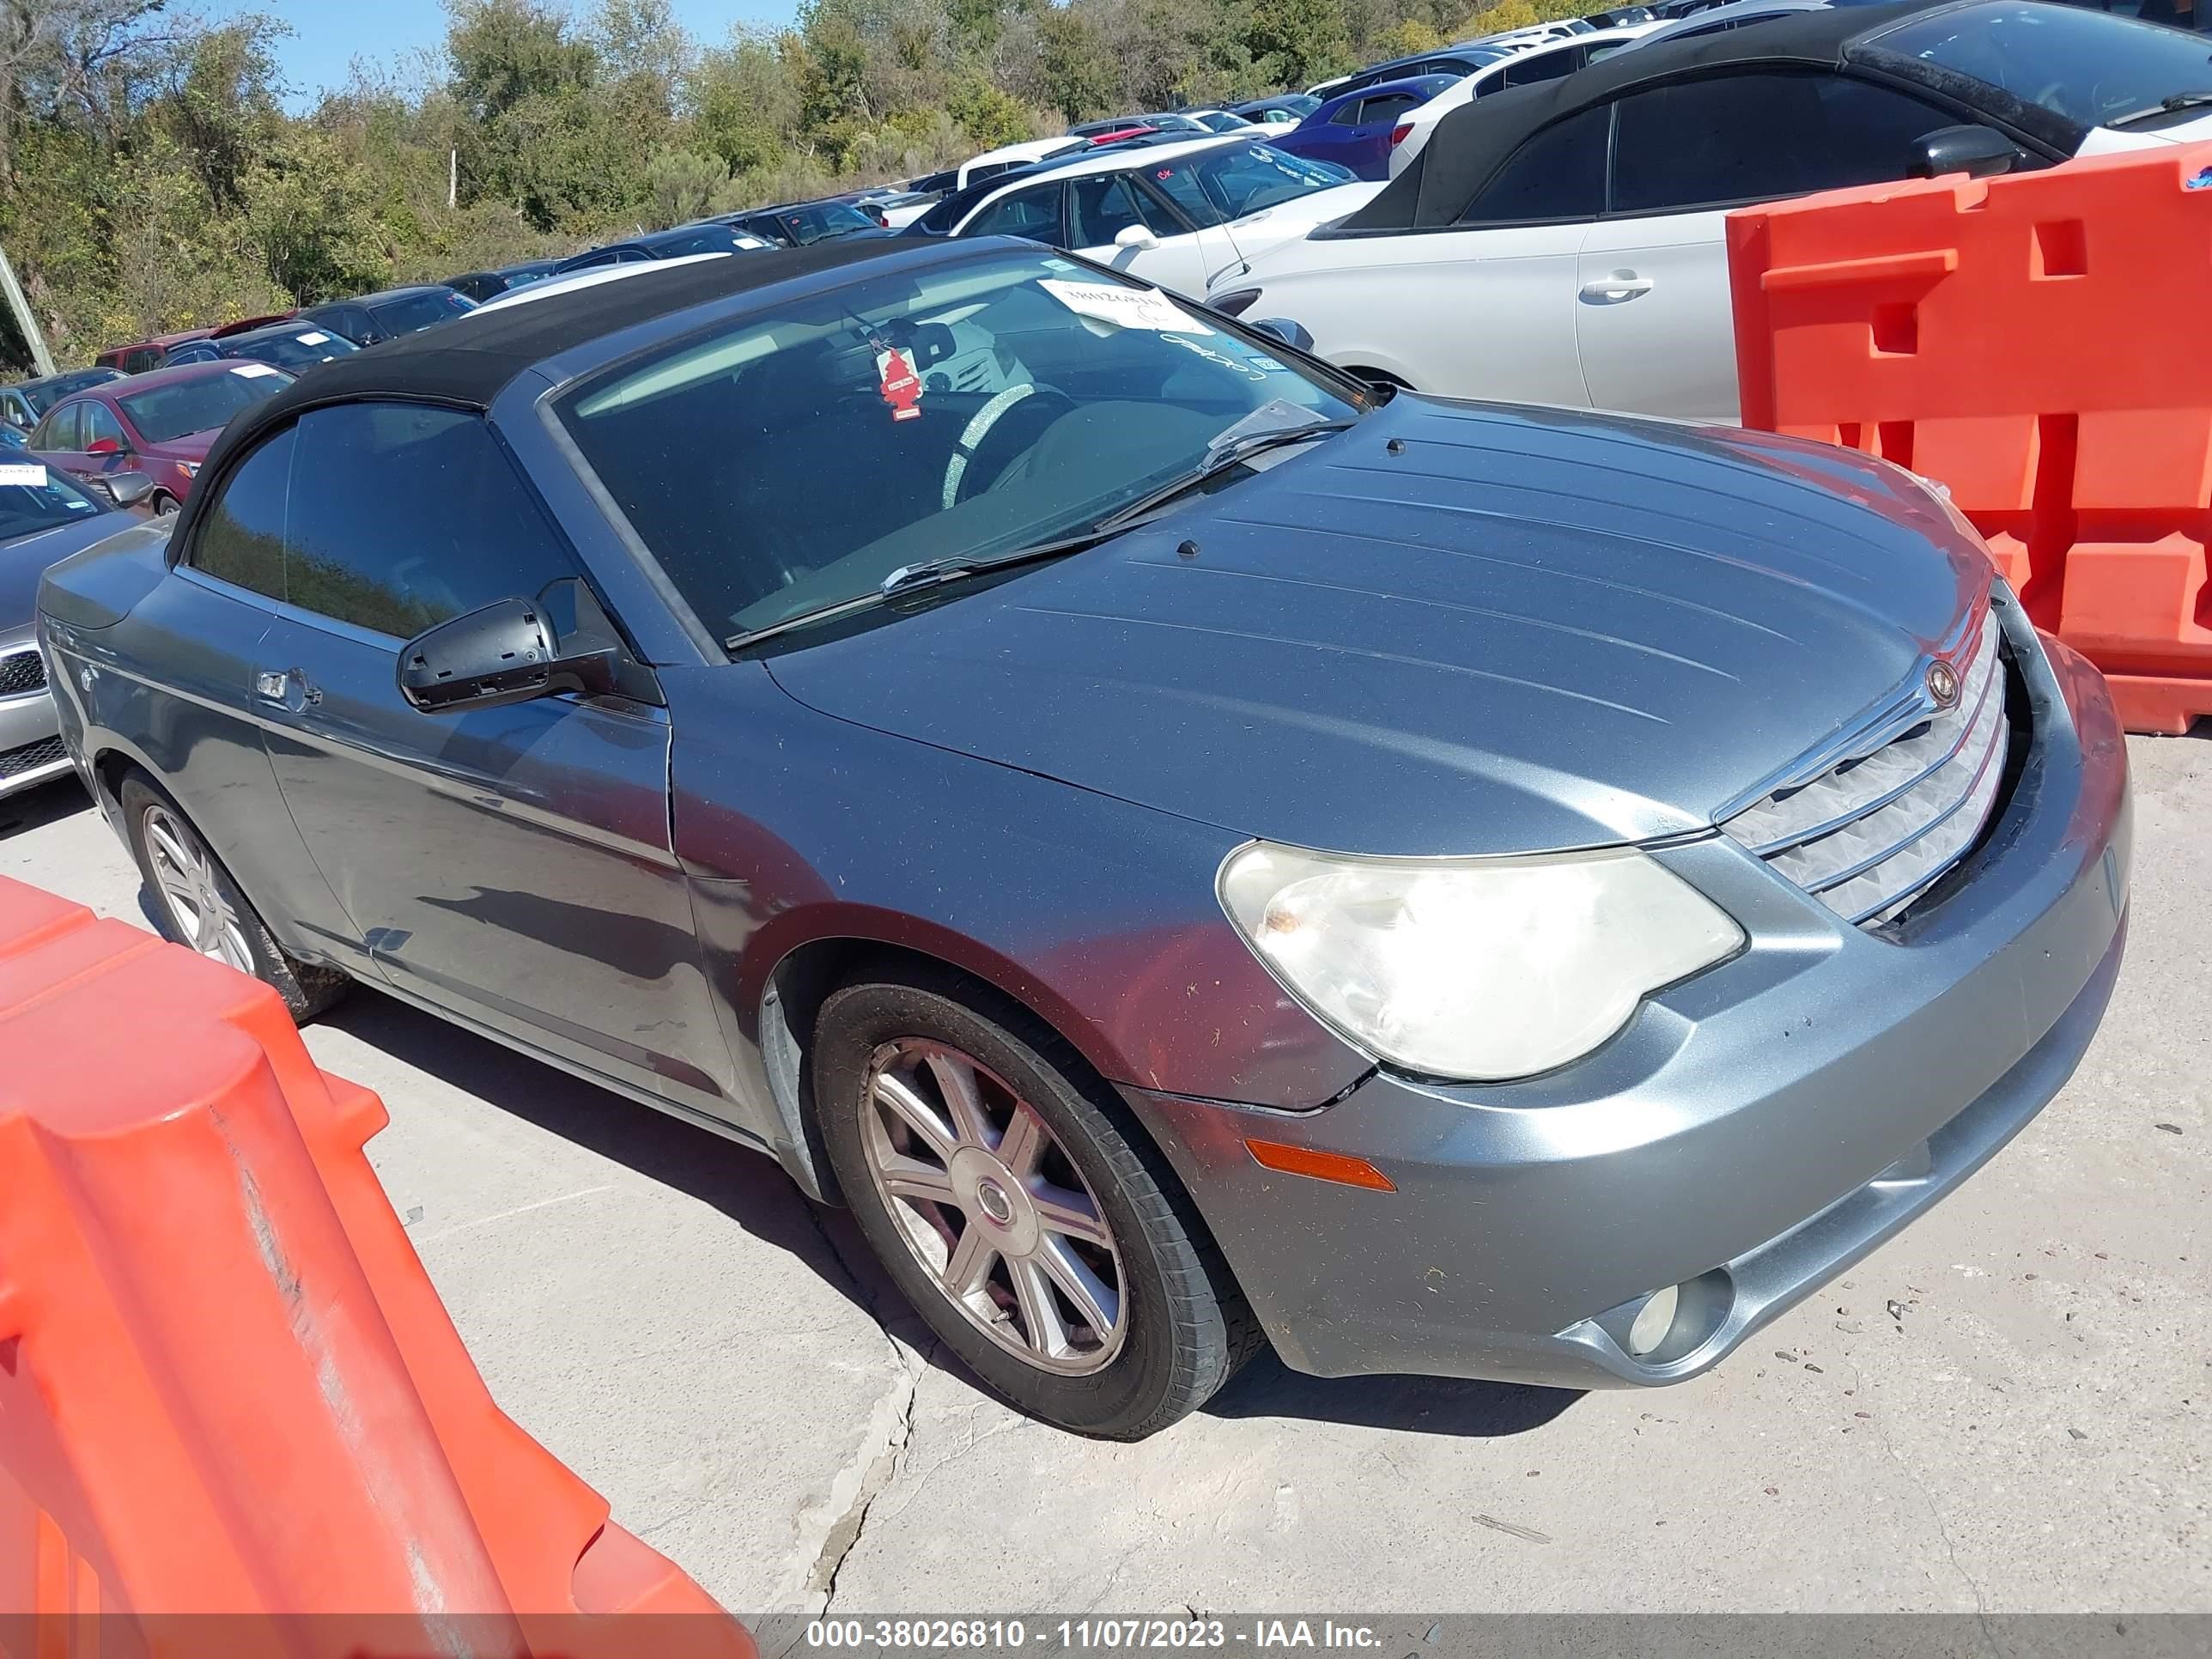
<point x="681" y="184"/>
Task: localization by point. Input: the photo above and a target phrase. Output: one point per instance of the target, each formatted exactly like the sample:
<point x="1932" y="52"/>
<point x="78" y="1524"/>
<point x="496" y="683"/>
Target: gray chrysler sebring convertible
<point x="1194" y="853"/>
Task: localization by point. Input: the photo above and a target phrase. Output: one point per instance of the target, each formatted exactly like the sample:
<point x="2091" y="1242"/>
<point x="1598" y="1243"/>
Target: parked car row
<point x="1563" y="242"/>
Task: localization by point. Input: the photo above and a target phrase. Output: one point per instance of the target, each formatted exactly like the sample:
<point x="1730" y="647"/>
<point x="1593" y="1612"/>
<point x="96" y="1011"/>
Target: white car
<point x="1567" y="246"/>
<point x="1008" y="157"/>
<point x="590" y="276"/>
<point x="1179" y="215"/>
<point x="1542" y="60"/>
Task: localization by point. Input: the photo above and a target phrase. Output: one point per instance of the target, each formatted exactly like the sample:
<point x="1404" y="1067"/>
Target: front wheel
<point x="164" y="504"/>
<point x="1053" y="1252"/>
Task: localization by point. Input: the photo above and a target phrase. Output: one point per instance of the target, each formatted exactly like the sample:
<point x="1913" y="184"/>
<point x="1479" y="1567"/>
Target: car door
<point x="1368" y="152"/>
<point x="1493" y="299"/>
<point x="512" y="864"/>
<point x="205" y="624"/>
<point x="1653" y="317"/>
<point x="1101" y="205"/>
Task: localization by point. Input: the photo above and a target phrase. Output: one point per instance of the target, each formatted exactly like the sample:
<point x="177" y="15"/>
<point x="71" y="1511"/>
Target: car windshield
<point x="824" y="220"/>
<point x="33" y="498"/>
<point x="164" y="413"/>
<point x="1242" y="179"/>
<point x="2088" y="66"/>
<point x="46" y="394"/>
<point x="967" y="412"/>
<point x="411" y="312"/>
<point x="295" y="348"/>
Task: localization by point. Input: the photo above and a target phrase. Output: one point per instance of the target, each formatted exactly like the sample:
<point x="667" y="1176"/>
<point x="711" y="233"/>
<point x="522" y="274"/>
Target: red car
<point x="142" y="354"/>
<point x="159" y="423"/>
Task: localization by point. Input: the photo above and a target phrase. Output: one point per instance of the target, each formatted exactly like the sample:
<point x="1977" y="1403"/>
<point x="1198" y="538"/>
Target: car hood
<point x="192" y="446"/>
<point x="1520" y="629"/>
<point x="25" y="559"/>
<point x="1286" y="221"/>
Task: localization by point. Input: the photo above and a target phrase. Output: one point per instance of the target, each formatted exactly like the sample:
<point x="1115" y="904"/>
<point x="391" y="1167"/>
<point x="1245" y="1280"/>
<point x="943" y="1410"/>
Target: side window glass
<point x="1347" y="114"/>
<point x="96" y="423"/>
<point x="1559" y="172"/>
<point x="1541" y="66"/>
<point x="59" y="432"/>
<point x="416" y="515"/>
<point x="241" y="537"/>
<point x="1683" y="145"/>
<point x="1179" y="182"/>
<point x="1100" y="208"/>
<point x="1031" y="212"/>
<point x="1384" y="108"/>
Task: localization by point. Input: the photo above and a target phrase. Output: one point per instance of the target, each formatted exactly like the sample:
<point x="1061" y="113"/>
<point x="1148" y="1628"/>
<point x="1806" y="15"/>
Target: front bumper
<point x="1755" y="1131"/>
<point x="31" y="751"/>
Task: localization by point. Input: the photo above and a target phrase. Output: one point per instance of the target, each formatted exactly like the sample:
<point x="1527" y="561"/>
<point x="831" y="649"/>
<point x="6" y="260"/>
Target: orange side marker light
<point x="1339" y="1167"/>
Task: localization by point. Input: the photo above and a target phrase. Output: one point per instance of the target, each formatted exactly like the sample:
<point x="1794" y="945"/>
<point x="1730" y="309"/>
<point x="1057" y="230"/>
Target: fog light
<point x="1653" y="1321"/>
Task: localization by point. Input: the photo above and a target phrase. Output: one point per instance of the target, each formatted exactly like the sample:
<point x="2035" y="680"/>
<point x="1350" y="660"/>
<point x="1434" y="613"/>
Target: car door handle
<point x="288" y="688"/>
<point x="1621" y="285"/>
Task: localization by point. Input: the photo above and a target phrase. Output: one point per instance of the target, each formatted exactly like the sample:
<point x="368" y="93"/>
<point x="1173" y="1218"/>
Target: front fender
<point x="1098" y="915"/>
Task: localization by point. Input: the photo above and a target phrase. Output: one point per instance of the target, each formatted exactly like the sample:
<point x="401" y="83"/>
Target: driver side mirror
<point x="1977" y="151"/>
<point x="104" y="447"/>
<point x="1136" y="238"/>
<point x="507" y="651"/>
<point x="124" y="489"/>
<point x="1292" y="334"/>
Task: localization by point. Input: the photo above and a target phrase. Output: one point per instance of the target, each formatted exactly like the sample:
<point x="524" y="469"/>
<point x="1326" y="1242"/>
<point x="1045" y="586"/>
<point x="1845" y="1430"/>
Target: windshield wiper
<point x="1230" y="448"/>
<point x="1264" y="429"/>
<point x="2169" y="105"/>
<point x="912" y="578"/>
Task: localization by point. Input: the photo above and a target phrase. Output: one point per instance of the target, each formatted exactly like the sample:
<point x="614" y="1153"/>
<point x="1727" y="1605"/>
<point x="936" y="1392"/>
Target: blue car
<point x="1197" y="853"/>
<point x="1353" y="129"/>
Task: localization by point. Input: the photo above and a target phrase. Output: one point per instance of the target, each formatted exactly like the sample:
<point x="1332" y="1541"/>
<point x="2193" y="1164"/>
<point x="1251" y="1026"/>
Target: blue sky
<point x="329" y="34"/>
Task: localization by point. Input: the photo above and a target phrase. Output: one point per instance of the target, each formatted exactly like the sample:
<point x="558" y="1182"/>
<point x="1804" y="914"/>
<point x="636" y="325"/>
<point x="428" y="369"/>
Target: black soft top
<point x="1473" y="140"/>
<point x="470" y="360"/>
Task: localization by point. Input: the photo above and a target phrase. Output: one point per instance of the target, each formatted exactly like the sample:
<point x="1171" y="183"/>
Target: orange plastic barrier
<point x="226" y="1384"/>
<point x="2038" y="342"/>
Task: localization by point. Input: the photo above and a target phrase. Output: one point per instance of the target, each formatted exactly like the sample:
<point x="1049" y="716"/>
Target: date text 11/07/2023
<point x="1085" y="1635"/>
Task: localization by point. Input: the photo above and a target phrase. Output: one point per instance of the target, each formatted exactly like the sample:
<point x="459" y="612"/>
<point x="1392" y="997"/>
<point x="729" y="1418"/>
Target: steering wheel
<point x="1040" y="406"/>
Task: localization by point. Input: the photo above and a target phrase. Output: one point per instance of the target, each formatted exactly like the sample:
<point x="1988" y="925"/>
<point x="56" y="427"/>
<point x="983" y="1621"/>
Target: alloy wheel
<point x="192" y="892"/>
<point x="987" y="1197"/>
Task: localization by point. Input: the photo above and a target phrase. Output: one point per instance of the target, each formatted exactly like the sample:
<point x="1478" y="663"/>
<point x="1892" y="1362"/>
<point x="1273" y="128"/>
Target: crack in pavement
<point x="883" y="1449"/>
<point x="1935" y="1510"/>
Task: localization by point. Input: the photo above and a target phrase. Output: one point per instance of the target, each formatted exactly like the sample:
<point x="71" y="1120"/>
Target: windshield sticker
<point x="34" y="476"/>
<point x="251" y="371"/>
<point x="901" y="386"/>
<point x="1249" y="370"/>
<point x="1127" y="307"/>
<point x="312" y="337"/>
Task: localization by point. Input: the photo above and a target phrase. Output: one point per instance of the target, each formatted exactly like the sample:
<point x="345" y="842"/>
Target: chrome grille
<point x="1876" y="830"/>
<point x="21" y="671"/>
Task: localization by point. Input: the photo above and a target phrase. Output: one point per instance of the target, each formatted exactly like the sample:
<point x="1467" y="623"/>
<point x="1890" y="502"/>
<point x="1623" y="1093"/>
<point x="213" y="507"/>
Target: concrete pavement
<point x="2004" y="1410"/>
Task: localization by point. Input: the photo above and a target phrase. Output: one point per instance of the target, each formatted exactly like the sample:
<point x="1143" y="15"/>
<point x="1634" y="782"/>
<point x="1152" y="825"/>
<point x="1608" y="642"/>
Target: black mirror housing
<point x="1977" y="151"/>
<point x="1292" y="334"/>
<point x="507" y="651"/>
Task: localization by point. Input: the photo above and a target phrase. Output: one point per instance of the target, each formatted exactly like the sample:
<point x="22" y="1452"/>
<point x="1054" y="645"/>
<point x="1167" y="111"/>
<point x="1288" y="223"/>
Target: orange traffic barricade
<point x="2039" y="344"/>
<point x="227" y="1387"/>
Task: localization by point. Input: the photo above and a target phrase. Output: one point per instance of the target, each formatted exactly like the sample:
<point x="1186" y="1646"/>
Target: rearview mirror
<point x="1137" y="237"/>
<point x="125" y="488"/>
<point x="1978" y="152"/>
<point x="506" y="653"/>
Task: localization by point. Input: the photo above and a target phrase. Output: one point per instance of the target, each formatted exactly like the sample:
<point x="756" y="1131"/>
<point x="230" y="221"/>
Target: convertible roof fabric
<point x="470" y="359"/>
<point x="1473" y="142"/>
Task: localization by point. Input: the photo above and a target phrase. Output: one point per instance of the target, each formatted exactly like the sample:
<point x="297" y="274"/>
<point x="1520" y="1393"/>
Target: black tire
<point x="308" y="988"/>
<point x="1188" y="1327"/>
<point x="164" y="504"/>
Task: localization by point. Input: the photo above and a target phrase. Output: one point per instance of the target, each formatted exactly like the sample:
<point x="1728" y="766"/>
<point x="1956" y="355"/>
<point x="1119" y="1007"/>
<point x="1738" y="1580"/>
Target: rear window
<point x="202" y="403"/>
<point x="2089" y="67"/>
<point x="33" y="498"/>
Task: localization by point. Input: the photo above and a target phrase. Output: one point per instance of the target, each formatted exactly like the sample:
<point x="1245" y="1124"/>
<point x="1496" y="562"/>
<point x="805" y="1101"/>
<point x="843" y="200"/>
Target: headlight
<point x="1477" y="969"/>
